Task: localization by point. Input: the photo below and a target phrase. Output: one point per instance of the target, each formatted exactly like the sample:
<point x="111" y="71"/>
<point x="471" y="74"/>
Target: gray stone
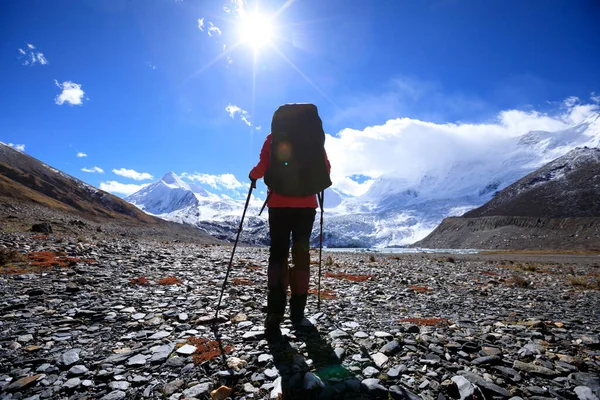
<point x="78" y="370"/>
<point x="137" y="360"/>
<point x="119" y="385"/>
<point x="338" y="333"/>
<point x="390" y="348"/>
<point x="159" y="335"/>
<point x="533" y="368"/>
<point x="370" y="371"/>
<point x="379" y="359"/>
<point x="202" y="389"/>
<point x="173" y="386"/>
<point x="488" y="386"/>
<point x="277" y="389"/>
<point x="372" y="387"/>
<point x="71" y="383"/>
<point x="312" y="381"/>
<point x="70" y="357"/>
<point x="585" y="393"/>
<point x="464" y="387"/>
<point x="115" y="395"/>
<point x="186" y="349"/>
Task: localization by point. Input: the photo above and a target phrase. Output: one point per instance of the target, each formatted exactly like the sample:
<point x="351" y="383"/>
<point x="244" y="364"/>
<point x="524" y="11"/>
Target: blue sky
<point x="145" y="87"/>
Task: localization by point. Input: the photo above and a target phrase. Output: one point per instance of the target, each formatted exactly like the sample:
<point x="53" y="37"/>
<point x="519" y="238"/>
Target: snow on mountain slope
<point x="394" y="211"/>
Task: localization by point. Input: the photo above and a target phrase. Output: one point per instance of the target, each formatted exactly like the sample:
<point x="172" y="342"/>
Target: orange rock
<point x="221" y="393"/>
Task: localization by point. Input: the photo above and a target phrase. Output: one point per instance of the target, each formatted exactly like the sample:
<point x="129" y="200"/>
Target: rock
<point x="370" y="371"/>
<point x="71" y="383"/>
<point x="488" y="387"/>
<point x="70" y="357"/>
<point x="173" y="386"/>
<point x="221" y="393"/>
<point x="312" y="381"/>
<point x="248" y="388"/>
<point x="534" y="369"/>
<point x="265" y="358"/>
<point x="115" y="395"/>
<point x="25" y="338"/>
<point x="379" y="359"/>
<point x="160" y="335"/>
<point x="78" y="370"/>
<point x="585" y="393"/>
<point x="486" y="360"/>
<point x="402" y="393"/>
<point x="463" y="387"/>
<point x="277" y="389"/>
<point x="22" y="383"/>
<point x="186" y="349"/>
<point x="390" y="348"/>
<point x="137" y="360"/>
<point x="198" y="390"/>
<point x="236" y="363"/>
<point x="119" y="385"/>
<point x="338" y="333"/>
<point x="373" y="388"/>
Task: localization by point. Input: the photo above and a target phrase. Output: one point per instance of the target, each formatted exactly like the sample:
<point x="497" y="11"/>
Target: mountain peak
<point x="171" y="179"/>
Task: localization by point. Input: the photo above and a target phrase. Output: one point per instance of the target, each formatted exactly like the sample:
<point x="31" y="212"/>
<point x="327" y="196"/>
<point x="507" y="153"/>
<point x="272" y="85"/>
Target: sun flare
<point x="256" y="30"/>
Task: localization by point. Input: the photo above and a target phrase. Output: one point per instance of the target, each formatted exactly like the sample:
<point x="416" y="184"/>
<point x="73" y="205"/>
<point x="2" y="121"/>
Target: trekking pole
<point x="321" y="197"/>
<point x="233" y="252"/>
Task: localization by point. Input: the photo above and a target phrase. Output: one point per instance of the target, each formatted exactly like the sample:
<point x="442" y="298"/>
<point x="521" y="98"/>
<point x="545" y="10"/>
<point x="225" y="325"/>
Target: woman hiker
<point x="287" y="215"/>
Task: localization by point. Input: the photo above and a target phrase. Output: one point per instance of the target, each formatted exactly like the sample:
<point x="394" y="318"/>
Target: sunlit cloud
<point x="30" y="56"/>
<point x="71" y="93"/>
<point x="93" y="170"/>
<point x="201" y="24"/>
<point x="234" y="110"/>
<point x="81" y="154"/>
<point x="132" y="174"/>
<point x="19" y="147"/>
<point x="213" y="29"/>
<point x="223" y="181"/>
<point x="410" y="148"/>
<point x="121" y="188"/>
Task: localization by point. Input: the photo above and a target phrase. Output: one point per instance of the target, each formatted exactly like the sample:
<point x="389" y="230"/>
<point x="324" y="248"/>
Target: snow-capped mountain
<point x="394" y="211"/>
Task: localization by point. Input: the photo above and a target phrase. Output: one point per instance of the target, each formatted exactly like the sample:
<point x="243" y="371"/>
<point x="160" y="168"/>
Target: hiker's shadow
<point x="288" y="358"/>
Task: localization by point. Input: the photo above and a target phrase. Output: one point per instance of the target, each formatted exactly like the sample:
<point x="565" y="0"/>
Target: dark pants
<point x="282" y="222"/>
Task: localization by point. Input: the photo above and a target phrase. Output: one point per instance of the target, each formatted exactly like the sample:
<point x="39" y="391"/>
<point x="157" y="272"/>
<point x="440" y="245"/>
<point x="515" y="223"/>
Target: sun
<point x="256" y="30"/>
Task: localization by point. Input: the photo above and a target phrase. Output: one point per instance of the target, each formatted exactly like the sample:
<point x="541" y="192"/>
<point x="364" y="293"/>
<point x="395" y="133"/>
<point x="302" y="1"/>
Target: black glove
<point x="253" y="182"/>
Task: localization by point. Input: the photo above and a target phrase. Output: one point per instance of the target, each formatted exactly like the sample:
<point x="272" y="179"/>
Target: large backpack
<point x="297" y="166"/>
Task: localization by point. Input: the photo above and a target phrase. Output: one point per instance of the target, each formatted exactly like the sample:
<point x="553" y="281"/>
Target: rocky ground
<point x="124" y="318"/>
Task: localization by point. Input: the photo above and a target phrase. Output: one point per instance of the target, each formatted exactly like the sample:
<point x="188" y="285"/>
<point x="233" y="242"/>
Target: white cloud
<point x="20" y="147"/>
<point x="149" y="64"/>
<point x="201" y="24"/>
<point x="409" y="148"/>
<point x="212" y="28"/>
<point x="31" y="57"/>
<point x="121" y="188"/>
<point x="130" y="173"/>
<point x="594" y="98"/>
<point x="71" y="93"/>
<point x="81" y="155"/>
<point x="244" y="115"/>
<point x="223" y="181"/>
<point x="93" y="170"/>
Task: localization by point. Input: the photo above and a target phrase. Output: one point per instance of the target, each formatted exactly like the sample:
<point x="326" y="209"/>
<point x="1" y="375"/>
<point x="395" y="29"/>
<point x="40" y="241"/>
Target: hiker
<point x="295" y="166"/>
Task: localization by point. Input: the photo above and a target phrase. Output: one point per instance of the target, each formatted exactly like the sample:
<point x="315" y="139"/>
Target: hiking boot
<point x="297" y="305"/>
<point x="272" y="325"/>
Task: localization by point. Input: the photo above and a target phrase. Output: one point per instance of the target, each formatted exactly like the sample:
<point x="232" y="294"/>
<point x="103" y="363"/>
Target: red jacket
<point x="277" y="200"/>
